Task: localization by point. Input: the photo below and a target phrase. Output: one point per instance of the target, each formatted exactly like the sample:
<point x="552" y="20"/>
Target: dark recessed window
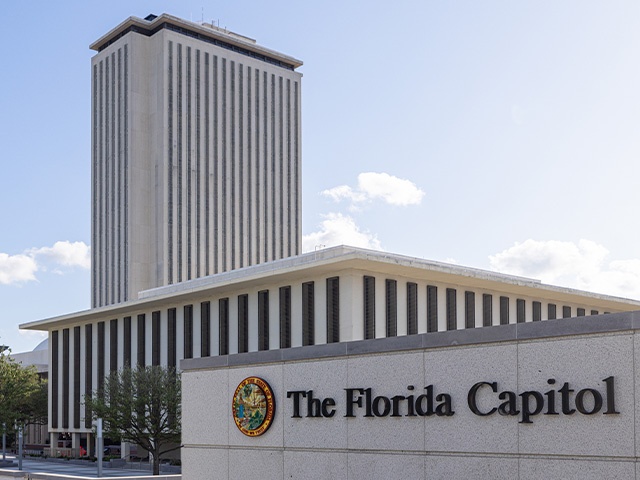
<point x="188" y="331"/>
<point x="155" y="338"/>
<point x="551" y="310"/>
<point x="594" y="312"/>
<point x="263" y="320"/>
<point x="537" y="311"/>
<point x="113" y="345"/>
<point x="520" y="311"/>
<point x="487" y="309"/>
<point x="369" y="307"/>
<point x="126" y="352"/>
<point x="223" y="338"/>
<point x="581" y="312"/>
<point x="243" y="324"/>
<point x="566" y="312"/>
<point x="142" y="335"/>
<point x="171" y="337"/>
<point x="452" y="309"/>
<point x="205" y="329"/>
<point x="391" y="307"/>
<point x="432" y="308"/>
<point x="285" y="315"/>
<point x="469" y="309"/>
<point x="308" y="314"/>
<point x="333" y="310"/>
<point x="55" y="370"/>
<point x="412" y="308"/>
<point x="504" y="310"/>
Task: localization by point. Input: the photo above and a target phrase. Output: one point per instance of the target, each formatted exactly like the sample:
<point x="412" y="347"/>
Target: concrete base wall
<point x="463" y="445"/>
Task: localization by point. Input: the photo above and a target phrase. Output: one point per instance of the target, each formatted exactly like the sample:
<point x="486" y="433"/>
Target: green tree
<point x="22" y="400"/>
<point x="141" y="405"/>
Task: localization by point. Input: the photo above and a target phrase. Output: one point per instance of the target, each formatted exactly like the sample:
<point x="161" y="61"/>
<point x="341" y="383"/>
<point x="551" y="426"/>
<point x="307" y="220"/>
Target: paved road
<point x="35" y="466"/>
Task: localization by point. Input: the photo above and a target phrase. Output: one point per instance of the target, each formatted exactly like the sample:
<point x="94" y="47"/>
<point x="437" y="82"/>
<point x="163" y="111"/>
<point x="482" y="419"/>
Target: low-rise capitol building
<point x="340" y="363"/>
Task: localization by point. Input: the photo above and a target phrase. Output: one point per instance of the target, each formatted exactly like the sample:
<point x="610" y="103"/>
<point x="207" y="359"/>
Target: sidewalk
<point x="65" y="470"/>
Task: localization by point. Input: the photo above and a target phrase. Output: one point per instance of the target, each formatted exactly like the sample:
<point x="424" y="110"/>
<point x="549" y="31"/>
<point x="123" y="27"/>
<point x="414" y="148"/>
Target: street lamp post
<point x="99" y="446"/>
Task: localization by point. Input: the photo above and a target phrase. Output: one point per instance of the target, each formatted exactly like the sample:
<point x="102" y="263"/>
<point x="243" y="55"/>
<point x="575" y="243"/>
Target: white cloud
<point x="17" y="268"/>
<point x="583" y="265"/>
<point x="22" y="267"/>
<point x="338" y="229"/>
<point x="67" y="254"/>
<point x="371" y="185"/>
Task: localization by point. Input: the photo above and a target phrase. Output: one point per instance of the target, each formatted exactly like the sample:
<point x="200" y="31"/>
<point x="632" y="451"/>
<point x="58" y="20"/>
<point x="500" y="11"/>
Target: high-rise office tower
<point x="195" y="155"/>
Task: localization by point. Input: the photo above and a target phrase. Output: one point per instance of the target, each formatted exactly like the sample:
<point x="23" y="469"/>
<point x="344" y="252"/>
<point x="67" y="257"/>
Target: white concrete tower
<point x="195" y="155"/>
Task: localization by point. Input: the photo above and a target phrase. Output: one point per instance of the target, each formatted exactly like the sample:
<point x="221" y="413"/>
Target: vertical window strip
<point x="243" y="324"/>
<point x="520" y="311"/>
<point x="155" y="338"/>
<point x="188" y="331"/>
<point x="452" y="309"/>
<point x="308" y="314"/>
<point x="114" y="279"/>
<point x="142" y="335"/>
<point x="207" y="226"/>
<point x="65" y="378"/>
<point x="205" y="329"/>
<point x="289" y="189"/>
<point x="215" y="85"/>
<point x="232" y="160"/>
<point x="285" y="316"/>
<point x="101" y="366"/>
<point x="265" y="175"/>
<point x="263" y="320"/>
<point x="55" y="369"/>
<point x="391" y="307"/>
<point x="537" y="311"/>
<point x="107" y="184"/>
<point x="189" y="184"/>
<point x="113" y="345"/>
<point x="369" y="307"/>
<point x="273" y="167"/>
<point x="487" y="310"/>
<point x="333" y="309"/>
<point x="281" y="166"/>
<point x="469" y="309"/>
<point x="119" y="266"/>
<point x="223" y="178"/>
<point x="250" y="214"/>
<point x="504" y="310"/>
<point x="223" y="324"/>
<point x="432" y="308"/>
<point x="171" y="338"/>
<point x="94" y="188"/>
<point x="126" y="172"/>
<point x="296" y="181"/>
<point x="126" y="354"/>
<point x="551" y="309"/>
<point x="101" y="214"/>
<point x="566" y="312"/>
<point x="259" y="240"/>
<point x="412" y="308"/>
<point x="198" y="168"/>
<point x="88" y="371"/>
<point x="170" y="165"/>
<point x="179" y="193"/>
<point x="241" y="180"/>
<point x="76" y="377"/>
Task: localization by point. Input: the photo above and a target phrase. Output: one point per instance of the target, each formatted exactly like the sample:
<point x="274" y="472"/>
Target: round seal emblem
<point x="253" y="406"/>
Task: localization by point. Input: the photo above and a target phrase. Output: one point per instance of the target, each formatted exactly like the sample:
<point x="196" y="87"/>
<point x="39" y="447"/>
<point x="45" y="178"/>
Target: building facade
<point x="334" y="296"/>
<point x="196" y="155"/>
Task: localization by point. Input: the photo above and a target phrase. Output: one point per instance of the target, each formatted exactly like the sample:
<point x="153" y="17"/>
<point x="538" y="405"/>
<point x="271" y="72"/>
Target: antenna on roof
<point x="202" y="19"/>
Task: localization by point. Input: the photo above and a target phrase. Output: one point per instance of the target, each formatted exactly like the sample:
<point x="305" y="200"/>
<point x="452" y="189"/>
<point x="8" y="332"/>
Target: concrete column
<point x="53" y="442"/>
<point x="75" y="443"/>
<point x="125" y="450"/>
<point x="90" y="445"/>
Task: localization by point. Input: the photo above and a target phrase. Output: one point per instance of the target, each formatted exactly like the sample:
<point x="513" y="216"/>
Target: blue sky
<point x="501" y="135"/>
